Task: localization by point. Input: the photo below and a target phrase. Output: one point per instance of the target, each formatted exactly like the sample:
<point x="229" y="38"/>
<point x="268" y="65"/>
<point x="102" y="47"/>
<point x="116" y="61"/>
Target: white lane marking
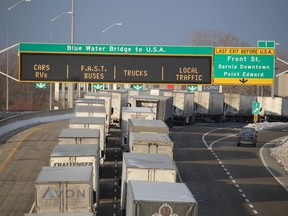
<point x="267" y="167"/>
<point x="226" y="170"/>
<point x="211" y="144"/>
<point x="32" y="208"/>
<point x="255" y="212"/>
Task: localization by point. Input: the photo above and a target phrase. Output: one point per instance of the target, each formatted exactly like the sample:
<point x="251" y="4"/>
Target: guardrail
<point x="23" y="120"/>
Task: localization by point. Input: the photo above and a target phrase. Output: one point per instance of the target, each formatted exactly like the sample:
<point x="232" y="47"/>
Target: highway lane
<point x="23" y="155"/>
<point x="227" y="180"/>
<point x="21" y="159"/>
<point x="199" y="167"/>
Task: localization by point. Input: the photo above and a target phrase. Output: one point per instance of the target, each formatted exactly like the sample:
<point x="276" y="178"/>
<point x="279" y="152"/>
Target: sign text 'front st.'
<point x="244" y="66"/>
<point x="115" y="64"/>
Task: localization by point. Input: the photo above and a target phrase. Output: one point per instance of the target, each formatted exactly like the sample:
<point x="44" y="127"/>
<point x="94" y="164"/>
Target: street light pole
<point x="118" y="24"/>
<point x="8" y="43"/>
<point x="51" y="32"/>
<point x="102" y="36"/>
<point x="55" y="18"/>
<point x="70" y="85"/>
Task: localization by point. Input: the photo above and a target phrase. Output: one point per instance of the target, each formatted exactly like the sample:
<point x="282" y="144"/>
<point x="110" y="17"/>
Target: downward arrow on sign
<point x="192" y="88"/>
<point x="243" y="80"/>
<point x="41" y="85"/>
<point x="138" y="87"/>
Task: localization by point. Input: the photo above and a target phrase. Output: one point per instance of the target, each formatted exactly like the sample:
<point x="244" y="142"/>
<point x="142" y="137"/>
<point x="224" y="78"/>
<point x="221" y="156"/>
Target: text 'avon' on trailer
<point x="78" y="155"/>
<point x="64" y="189"/>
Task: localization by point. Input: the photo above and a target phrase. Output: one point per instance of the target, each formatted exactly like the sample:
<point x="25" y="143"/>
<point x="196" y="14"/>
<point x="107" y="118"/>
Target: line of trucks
<point x="70" y="185"/>
<point x="179" y="107"/>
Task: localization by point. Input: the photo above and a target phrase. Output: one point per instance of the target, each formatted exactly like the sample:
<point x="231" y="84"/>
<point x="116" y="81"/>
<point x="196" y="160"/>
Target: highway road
<point x="225" y="179"/>
<point x="21" y="159"/>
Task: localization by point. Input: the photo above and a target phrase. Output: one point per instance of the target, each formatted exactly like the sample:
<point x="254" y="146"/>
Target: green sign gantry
<point x="101" y="63"/>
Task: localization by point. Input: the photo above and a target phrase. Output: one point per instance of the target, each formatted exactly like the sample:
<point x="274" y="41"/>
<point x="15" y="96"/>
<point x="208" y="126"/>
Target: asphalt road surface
<point x="225" y="179"/>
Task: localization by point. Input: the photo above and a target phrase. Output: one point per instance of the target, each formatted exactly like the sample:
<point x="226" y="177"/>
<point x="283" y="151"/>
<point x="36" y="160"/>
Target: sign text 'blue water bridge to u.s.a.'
<point x="115" y="64"/>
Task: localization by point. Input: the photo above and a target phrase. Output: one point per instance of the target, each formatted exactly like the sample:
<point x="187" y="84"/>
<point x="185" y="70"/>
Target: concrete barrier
<point x="23" y="120"/>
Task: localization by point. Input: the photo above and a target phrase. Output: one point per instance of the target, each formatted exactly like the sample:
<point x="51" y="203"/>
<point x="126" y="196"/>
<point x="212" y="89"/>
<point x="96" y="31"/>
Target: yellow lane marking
<point x="12" y="153"/>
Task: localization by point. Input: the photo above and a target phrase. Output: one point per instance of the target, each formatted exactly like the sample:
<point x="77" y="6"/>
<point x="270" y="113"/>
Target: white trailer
<point x="146" y="167"/>
<point x="133" y="113"/>
<point x="119" y="100"/>
<point x="89" y="102"/>
<point x="92" y="111"/>
<point x="159" y="198"/>
<point x="132" y="92"/>
<point x="64" y="189"/>
<point x="209" y="106"/>
<point x="108" y="103"/>
<point x="238" y="107"/>
<point x="152" y="143"/>
<point x="92" y="123"/>
<point x="78" y="155"/>
<point x="146" y="126"/>
<point x="274" y="108"/>
<point x="79" y="136"/>
<point x="162" y="106"/>
<point x="183" y="103"/>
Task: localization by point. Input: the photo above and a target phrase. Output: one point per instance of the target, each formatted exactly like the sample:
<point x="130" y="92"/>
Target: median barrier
<point x="33" y="118"/>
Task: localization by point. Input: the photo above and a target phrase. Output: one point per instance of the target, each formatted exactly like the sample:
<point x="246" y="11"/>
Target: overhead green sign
<point x="244" y="66"/>
<point x="266" y="44"/>
<point x="116" y="49"/>
<point x="115" y="63"/>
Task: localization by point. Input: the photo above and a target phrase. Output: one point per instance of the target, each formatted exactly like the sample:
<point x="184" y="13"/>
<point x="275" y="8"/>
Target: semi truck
<point x="119" y="99"/>
<point x="145" y="167"/>
<point x="153" y="143"/>
<point x="159" y="198"/>
<point x="209" y="106"/>
<point x="133" y="113"/>
<point x="92" y="123"/>
<point x="64" y="189"/>
<point x="273" y="108"/>
<point x="79" y="136"/>
<point x="238" y="107"/>
<point x="162" y="106"/>
<point x="183" y="103"/>
<point x="78" y="155"/>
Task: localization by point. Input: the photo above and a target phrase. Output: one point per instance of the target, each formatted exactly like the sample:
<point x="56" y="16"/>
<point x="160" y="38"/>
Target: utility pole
<point x="71" y="85"/>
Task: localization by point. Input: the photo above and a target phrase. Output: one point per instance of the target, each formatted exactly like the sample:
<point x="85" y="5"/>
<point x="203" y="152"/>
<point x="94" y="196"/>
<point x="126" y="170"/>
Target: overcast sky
<point x="146" y="22"/>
